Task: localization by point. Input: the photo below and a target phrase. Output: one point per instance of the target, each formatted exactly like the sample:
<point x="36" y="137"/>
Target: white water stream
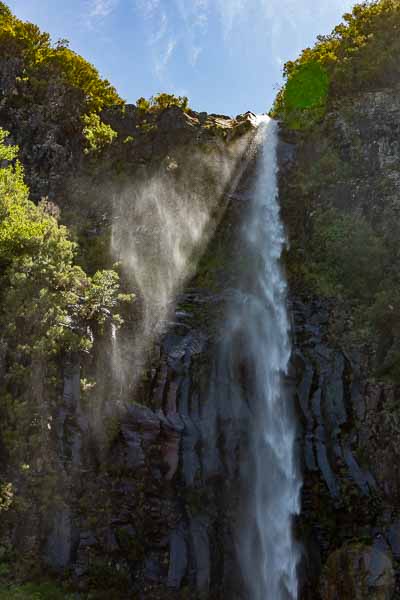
<point x="267" y="551"/>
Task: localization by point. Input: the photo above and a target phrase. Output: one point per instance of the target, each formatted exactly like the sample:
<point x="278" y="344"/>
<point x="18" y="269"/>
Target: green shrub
<point x="98" y="135"/>
<point x="6" y="496"/>
<point x="346" y="254"/>
<point x="162" y="101"/>
<point x="5" y="11"/>
<point x="306" y="94"/>
<point x="41" y="62"/>
<point x="360" y="54"/>
<point x="32" y="591"/>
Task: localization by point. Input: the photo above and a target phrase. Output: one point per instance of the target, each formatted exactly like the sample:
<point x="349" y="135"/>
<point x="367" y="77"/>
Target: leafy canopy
<point x="40" y="61"/>
<point x="360" y="54"/>
<point x="98" y="135"/>
<point x="49" y="306"/>
<point x="161" y="102"/>
<point x="52" y="299"/>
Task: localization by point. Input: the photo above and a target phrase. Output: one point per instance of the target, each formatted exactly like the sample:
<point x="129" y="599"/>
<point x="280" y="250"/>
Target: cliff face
<point x="148" y="492"/>
<point x="137" y="492"/>
<point x="350" y="519"/>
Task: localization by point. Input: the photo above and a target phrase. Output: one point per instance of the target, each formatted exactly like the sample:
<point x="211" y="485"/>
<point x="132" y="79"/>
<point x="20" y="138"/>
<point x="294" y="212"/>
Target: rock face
<point x="155" y="518"/>
<point x="349" y="439"/>
<point x="138" y="497"/>
<point x="349" y="494"/>
<point x="358" y="571"/>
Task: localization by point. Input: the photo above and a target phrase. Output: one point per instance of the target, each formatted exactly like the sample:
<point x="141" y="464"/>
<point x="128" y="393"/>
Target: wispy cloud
<point x="148" y="7"/>
<point x="230" y="11"/>
<point x="296" y="15"/>
<point x="162" y="38"/>
<point x="160" y="31"/>
<point x="99" y="9"/>
<point x="164" y="59"/>
<point x="195" y="16"/>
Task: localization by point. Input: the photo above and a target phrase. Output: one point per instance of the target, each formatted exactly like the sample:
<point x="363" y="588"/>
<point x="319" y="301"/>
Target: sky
<point x="225" y="55"/>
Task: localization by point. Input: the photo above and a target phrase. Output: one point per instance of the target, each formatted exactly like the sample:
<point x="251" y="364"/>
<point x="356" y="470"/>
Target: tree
<point x="49" y="307"/>
<point x="360" y="54"/>
<point x="162" y="101"/>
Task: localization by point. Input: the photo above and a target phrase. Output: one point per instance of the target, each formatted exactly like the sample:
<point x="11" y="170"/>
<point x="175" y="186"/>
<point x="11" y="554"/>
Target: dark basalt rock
<point x="359" y="571"/>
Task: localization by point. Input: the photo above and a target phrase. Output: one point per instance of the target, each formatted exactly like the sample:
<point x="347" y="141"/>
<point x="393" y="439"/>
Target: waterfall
<point x="255" y="357"/>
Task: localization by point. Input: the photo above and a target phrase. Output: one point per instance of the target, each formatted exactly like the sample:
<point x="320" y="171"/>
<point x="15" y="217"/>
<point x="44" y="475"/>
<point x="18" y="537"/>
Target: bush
<point x="98" y="135"/>
<point x="161" y="102"/>
<point x="346" y="254"/>
<point x="40" y="62"/>
<point x="360" y="54"/>
<point x="5" y="11"/>
<point x="306" y="93"/>
<point x="31" y="591"/>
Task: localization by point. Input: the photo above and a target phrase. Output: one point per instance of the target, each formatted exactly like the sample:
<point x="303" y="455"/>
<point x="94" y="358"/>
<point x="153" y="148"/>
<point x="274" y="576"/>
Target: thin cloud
<point x="230" y="11"/>
<point x="161" y="30"/>
<point x="165" y="57"/>
<point x="99" y="9"/>
<point x="234" y="14"/>
<point x="161" y="37"/>
<point x="195" y="16"/>
<point x="148" y="7"/>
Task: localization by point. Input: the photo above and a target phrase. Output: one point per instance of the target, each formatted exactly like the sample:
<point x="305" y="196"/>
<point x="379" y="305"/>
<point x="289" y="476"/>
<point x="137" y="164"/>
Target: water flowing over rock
<point x="253" y="360"/>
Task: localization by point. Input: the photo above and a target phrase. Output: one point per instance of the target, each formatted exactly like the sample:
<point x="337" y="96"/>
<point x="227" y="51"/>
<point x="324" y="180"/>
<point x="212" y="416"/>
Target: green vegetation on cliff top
<point x="41" y="61"/>
<point x="161" y="102"/>
<point x="360" y="54"/>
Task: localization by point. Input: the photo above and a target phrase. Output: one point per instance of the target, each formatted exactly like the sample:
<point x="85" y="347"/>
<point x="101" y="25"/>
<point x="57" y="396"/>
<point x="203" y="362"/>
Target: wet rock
<point x="363" y="479"/>
<point x="62" y="541"/>
<point x="334" y="396"/>
<point x="135" y="457"/>
<point x="201" y="552"/>
<point x="178" y="557"/>
<point x="190" y="457"/>
<point x="153" y="568"/>
<point x="393" y="537"/>
<point x="357" y="572"/>
<point x="170" y="446"/>
<point x="87" y="541"/>
<point x="321" y="446"/>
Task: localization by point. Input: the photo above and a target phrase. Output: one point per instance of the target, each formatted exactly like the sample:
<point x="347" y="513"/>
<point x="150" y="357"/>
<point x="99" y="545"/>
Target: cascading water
<point x="254" y="359"/>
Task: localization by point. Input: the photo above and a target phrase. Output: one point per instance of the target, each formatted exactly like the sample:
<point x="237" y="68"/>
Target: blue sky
<point x="225" y="55"/>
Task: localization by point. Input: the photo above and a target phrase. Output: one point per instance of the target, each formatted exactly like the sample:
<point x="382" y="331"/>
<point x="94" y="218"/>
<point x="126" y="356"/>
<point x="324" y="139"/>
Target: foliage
<point x="143" y="104"/>
<point x="98" y="135"/>
<point x="384" y="315"/>
<point x="306" y="90"/>
<point x="360" y="54"/>
<point x="40" y="62"/>
<point x="161" y="102"/>
<point x="48" y="305"/>
<point x="5" y="11"/>
<point x="6" y="496"/>
<point x="307" y="87"/>
<point x="348" y="260"/>
<point x="347" y="255"/>
<point x="32" y="591"/>
<point x="350" y="254"/>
